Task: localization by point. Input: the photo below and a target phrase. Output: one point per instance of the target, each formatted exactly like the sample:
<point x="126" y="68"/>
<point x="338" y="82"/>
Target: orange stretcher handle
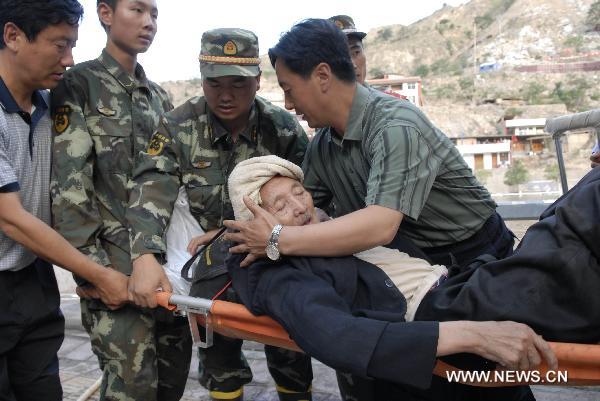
<point x="234" y="320"/>
<point x="581" y="361"/>
<point x="162" y="298"/>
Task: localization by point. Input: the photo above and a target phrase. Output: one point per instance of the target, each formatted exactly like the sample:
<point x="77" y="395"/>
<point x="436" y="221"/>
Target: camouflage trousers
<point x="144" y="354"/>
<point x="223" y="366"/>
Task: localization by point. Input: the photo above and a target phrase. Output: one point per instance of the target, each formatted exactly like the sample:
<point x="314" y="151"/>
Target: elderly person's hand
<point x="512" y="345"/>
<point x="252" y="236"/>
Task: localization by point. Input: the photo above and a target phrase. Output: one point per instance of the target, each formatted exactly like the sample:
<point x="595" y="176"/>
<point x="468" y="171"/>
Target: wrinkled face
<point x="359" y="59"/>
<point x="131" y="25"/>
<point x="287" y="200"/>
<point x="230" y="97"/>
<point x="43" y="61"/>
<point x="300" y="94"/>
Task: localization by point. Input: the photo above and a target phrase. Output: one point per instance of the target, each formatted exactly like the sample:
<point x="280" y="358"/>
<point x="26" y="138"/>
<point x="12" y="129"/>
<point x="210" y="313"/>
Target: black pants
<point x="31" y="333"/>
<point x="493" y="238"/>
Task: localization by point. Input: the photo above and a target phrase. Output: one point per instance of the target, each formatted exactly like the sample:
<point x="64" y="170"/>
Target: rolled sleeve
<point x="402" y="170"/>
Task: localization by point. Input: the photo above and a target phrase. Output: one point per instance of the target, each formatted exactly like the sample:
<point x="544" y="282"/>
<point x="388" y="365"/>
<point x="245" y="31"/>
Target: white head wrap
<point x="248" y="177"/>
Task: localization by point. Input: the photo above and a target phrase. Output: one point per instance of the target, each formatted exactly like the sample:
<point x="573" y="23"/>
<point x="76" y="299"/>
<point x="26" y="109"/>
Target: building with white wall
<point x="408" y="87"/>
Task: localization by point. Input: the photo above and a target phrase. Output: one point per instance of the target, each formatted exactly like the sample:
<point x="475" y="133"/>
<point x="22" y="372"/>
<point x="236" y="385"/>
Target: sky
<point x="174" y="53"/>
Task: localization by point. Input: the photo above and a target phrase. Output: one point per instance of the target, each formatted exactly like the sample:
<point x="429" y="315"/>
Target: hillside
<point x="441" y="47"/>
<point x="509" y="33"/>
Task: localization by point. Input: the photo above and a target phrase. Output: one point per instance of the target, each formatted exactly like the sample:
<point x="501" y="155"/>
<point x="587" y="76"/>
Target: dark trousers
<point x="493" y="238"/>
<point x="31" y="333"/>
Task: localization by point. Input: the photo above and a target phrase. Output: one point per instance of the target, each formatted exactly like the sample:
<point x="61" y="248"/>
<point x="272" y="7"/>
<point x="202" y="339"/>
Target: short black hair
<point x="33" y="16"/>
<point x="311" y="42"/>
<point x="111" y="3"/>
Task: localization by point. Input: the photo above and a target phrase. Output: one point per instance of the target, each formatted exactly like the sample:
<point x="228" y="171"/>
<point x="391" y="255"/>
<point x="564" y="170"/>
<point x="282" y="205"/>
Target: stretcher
<point x="581" y="361"/>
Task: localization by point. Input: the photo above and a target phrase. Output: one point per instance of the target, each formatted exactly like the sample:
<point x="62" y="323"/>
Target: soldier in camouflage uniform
<point x="104" y="112"/>
<point x="355" y="45"/>
<point x="197" y="145"/>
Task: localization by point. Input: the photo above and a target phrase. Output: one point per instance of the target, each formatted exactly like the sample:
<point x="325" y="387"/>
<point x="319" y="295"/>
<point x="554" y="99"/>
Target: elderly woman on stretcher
<point x="385" y="306"/>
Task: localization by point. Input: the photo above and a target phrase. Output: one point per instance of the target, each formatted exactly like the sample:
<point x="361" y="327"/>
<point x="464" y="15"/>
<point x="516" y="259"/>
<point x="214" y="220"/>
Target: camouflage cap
<point x="346" y="24"/>
<point x="229" y="51"/>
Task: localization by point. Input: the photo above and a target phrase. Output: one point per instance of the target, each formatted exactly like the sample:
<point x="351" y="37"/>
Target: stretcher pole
<point x="559" y="125"/>
<point x="581" y="361"/>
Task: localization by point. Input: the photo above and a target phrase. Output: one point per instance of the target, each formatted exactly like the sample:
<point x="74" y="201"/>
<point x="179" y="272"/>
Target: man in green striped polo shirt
<point x="390" y="175"/>
<point x="384" y="170"/>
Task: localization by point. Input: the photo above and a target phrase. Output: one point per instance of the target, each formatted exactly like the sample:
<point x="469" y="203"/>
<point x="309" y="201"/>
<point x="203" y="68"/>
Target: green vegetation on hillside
<point x="572" y="94"/>
<point x="497" y="8"/>
<point x="593" y="17"/>
<point x="516" y="174"/>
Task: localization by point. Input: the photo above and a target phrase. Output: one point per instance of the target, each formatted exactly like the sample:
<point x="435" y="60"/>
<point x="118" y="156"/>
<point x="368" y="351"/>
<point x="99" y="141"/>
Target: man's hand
<point x="201" y="240"/>
<point x="252" y="236"/>
<point x="147" y="277"/>
<point x="513" y="345"/>
<point x="87" y="291"/>
<point x="111" y="288"/>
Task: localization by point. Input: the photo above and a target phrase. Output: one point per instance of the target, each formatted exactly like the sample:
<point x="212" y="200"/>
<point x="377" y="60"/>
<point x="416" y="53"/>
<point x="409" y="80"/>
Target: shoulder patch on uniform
<point x="61" y="118"/>
<point x="157" y="144"/>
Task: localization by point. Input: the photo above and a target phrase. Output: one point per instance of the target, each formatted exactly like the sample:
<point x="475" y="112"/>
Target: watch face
<point x="272" y="252"/>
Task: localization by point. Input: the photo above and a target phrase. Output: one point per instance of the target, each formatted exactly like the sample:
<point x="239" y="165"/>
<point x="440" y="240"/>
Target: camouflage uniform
<point x="102" y="117"/>
<point x="191" y="148"/>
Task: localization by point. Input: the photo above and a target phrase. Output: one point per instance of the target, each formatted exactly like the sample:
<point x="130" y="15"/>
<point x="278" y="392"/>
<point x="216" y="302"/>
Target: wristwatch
<point x="272" y="248"/>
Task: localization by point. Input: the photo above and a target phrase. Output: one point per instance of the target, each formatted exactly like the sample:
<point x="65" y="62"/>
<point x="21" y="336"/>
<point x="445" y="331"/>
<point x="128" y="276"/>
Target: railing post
<point x="561" y="161"/>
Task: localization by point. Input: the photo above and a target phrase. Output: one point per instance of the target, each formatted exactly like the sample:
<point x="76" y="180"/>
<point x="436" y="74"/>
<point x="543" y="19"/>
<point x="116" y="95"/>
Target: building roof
<point x="525" y="122"/>
<point x="394" y="80"/>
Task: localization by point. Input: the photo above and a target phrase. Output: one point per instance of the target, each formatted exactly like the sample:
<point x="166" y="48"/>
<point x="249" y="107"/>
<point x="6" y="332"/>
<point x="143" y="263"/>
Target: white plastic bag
<point x="182" y="228"/>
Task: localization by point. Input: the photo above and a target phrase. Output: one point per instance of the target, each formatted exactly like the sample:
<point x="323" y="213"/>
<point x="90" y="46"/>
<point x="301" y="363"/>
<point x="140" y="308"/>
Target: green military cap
<point x="346" y="24"/>
<point x="229" y="51"/>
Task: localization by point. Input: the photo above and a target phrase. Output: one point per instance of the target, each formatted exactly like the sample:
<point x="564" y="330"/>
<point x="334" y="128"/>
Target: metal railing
<point x="557" y="127"/>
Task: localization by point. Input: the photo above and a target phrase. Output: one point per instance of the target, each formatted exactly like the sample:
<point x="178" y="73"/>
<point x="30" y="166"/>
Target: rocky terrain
<point x="447" y="47"/>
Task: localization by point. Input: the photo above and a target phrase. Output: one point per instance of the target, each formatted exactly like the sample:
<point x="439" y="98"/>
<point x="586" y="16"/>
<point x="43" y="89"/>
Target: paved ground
<point x="79" y="367"/>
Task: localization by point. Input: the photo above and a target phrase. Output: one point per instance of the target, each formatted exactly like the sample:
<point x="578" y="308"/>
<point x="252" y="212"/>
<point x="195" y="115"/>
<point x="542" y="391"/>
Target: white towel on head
<point x="248" y="177"/>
